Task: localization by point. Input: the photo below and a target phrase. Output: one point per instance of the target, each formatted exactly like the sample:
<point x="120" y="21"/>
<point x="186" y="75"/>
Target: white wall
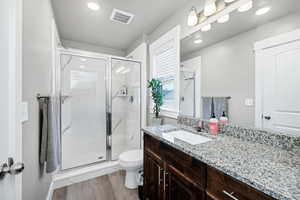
<point x="36" y="75"/>
<point x="92" y="48"/>
<point x="140" y="54"/>
<point x="178" y="18"/>
<point x="228" y="66"/>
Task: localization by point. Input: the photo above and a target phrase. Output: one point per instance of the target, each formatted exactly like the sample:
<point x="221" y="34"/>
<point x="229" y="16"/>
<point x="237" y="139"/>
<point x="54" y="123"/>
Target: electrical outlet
<point x="249" y="102"/>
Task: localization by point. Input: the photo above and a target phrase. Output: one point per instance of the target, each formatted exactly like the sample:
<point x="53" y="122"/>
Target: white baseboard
<point x="66" y="178"/>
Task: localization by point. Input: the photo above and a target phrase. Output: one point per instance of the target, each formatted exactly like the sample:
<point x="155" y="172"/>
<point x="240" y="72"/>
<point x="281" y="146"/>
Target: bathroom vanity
<point x="220" y="169"/>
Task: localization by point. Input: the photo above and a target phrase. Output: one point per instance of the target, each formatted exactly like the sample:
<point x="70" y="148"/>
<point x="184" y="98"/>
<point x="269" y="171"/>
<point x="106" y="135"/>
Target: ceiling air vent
<point x="121" y="16"/>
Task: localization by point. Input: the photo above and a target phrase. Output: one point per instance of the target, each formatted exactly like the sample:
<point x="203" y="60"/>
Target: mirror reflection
<point x="250" y="73"/>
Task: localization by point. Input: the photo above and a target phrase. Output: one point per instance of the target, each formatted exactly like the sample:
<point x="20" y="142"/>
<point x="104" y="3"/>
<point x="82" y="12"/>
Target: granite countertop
<point x="272" y="170"/>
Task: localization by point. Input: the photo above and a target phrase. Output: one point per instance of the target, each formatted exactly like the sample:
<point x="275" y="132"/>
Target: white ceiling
<point x="78" y="23"/>
<point x="239" y="23"/>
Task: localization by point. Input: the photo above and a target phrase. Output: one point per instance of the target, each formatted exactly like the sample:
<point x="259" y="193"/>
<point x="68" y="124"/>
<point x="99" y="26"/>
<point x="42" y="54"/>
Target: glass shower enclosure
<point x="100" y="108"/>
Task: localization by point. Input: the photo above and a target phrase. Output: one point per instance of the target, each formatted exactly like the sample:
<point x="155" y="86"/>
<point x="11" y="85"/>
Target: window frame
<point x="157" y="47"/>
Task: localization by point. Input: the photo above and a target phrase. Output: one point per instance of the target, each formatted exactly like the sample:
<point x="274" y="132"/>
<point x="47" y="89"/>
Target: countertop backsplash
<point x="280" y="140"/>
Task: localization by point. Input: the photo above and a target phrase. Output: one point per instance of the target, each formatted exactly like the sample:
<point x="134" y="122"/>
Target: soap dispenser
<point x="213" y="122"/>
<point x="223" y="118"/>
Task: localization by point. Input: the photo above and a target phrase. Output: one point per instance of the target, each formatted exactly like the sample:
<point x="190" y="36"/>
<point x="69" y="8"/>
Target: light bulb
<point x="224" y="19"/>
<point x="206" y="28"/>
<point x="210" y="7"/>
<point x="263" y="11"/>
<point x="193" y="17"/>
<point x="246" y="7"/>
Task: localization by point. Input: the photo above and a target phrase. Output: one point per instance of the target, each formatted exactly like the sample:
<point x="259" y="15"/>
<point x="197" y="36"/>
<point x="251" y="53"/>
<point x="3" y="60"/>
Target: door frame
<point x="259" y="48"/>
<point x="15" y="88"/>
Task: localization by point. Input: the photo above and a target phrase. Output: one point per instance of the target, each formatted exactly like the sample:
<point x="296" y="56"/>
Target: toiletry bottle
<point x="213" y="125"/>
<point x="223" y="118"/>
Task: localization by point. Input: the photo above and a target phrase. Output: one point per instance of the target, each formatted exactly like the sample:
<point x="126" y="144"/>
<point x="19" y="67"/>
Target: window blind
<point x="165" y="61"/>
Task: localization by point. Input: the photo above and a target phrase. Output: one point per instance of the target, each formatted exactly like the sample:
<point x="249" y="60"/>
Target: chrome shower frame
<point x="108" y="87"/>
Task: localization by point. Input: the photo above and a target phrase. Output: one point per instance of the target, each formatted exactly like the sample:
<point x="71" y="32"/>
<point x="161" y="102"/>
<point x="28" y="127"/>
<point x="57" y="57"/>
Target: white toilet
<point x="131" y="161"/>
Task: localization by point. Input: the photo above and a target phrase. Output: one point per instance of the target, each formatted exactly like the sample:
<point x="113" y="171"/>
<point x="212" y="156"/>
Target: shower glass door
<point x="83" y="110"/>
<point x="125" y="106"/>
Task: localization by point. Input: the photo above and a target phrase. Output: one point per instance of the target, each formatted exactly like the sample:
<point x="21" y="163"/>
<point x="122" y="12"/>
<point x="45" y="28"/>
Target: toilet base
<point x="130" y="179"/>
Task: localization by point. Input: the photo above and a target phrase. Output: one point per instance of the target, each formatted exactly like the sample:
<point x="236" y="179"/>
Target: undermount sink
<point x="185" y="136"/>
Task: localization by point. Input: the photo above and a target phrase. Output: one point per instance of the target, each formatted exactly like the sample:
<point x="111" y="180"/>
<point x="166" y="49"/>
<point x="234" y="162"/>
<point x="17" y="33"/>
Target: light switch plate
<point x="249" y="102"/>
<point x="24" y="111"/>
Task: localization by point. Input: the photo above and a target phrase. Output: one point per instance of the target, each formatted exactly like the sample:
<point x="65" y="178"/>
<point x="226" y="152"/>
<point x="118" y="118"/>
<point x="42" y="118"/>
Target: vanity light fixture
<point x="224" y="19"/>
<point x="193" y="17"/>
<point x="206" y="28"/>
<point x="198" y="41"/>
<point x="246" y="7"/>
<point x="210" y="7"/>
<point x="93" y="5"/>
<point x="262" y="11"/>
<point x="215" y="7"/>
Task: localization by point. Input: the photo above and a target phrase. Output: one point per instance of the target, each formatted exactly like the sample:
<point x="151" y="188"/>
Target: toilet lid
<point x="132" y="156"/>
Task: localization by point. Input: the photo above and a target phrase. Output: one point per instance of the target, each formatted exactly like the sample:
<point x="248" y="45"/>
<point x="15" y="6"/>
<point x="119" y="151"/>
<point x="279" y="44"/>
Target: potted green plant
<point x="157" y="95"/>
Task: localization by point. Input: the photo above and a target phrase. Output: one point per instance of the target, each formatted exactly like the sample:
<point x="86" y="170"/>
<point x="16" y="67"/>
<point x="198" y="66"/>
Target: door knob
<point x="11" y="168"/>
<point x="267" y="117"/>
<point x="16" y="168"/>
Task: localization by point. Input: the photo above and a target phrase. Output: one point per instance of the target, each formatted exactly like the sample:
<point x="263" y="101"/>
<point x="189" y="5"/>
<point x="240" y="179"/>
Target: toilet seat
<point x="131" y="158"/>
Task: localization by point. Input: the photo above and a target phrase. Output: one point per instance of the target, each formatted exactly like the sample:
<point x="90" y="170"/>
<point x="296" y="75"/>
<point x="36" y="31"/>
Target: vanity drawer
<point x="185" y="165"/>
<point x="224" y="187"/>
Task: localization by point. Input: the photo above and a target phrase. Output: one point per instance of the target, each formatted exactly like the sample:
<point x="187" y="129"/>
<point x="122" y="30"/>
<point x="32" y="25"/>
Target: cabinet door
<point x="153" y="177"/>
<point x="179" y="187"/>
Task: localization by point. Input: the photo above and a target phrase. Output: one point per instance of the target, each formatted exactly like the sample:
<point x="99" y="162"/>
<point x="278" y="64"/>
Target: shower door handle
<point x="108" y="128"/>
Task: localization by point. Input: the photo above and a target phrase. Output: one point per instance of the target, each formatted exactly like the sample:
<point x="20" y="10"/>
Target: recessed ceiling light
<point x="206" y="28"/>
<point x="224" y="19"/>
<point x="262" y="11"/>
<point x="83" y="59"/>
<point x="246" y="7"/>
<point x="198" y="41"/>
<point x="93" y="6"/>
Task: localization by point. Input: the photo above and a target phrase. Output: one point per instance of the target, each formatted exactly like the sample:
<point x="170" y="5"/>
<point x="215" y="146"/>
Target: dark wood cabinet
<point x="167" y="179"/>
<point x="153" y="172"/>
<point x="221" y="186"/>
<point x="170" y="174"/>
<point x="180" y="187"/>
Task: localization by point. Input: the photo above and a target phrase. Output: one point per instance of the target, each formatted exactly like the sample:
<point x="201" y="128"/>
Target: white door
<point x="280" y="87"/>
<point x="10" y="101"/>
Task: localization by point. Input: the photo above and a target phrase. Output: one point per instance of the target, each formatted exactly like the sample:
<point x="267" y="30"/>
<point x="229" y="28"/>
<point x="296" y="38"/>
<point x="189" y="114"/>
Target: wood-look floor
<point x="108" y="187"/>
